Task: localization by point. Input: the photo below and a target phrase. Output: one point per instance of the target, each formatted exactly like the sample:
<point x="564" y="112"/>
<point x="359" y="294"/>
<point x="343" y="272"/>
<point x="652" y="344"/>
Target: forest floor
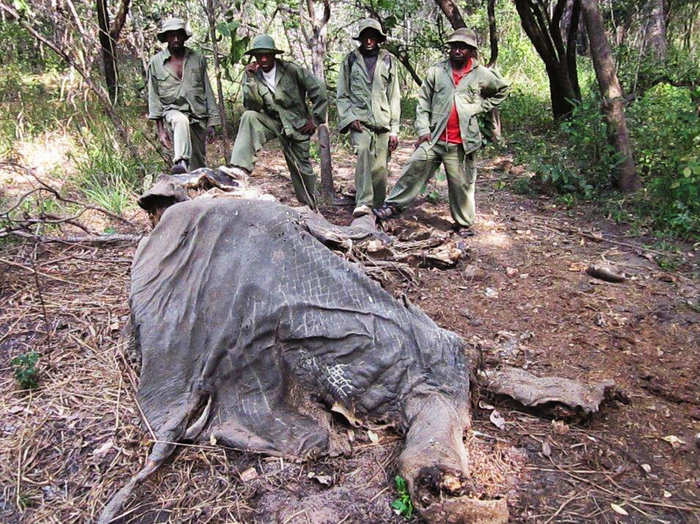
<point x="520" y="297"/>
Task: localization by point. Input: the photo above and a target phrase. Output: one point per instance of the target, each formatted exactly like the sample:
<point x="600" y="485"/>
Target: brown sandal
<point x="387" y="211"/>
<point x="464" y="231"/>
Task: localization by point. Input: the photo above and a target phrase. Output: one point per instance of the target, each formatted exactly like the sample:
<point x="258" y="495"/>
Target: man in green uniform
<point x="274" y="94"/>
<point x="180" y="98"/>
<point x="453" y="95"/>
<point x="369" y="106"/>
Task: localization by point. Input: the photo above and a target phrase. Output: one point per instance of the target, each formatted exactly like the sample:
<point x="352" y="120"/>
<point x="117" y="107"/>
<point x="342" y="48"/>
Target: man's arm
<point x="316" y="91"/>
<point x="394" y="97"/>
<point x="155" y="108"/>
<point x="494" y="92"/>
<point x="214" y="119"/>
<point x="251" y="97"/>
<point x="346" y="115"/>
<point x="424" y="105"/>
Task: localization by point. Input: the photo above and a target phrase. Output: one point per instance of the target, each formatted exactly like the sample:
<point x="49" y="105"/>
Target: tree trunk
<point x="107" y="46"/>
<point x="542" y="27"/>
<point x="317" y="43"/>
<point x="211" y="16"/>
<point x="495" y="113"/>
<point x="119" y="21"/>
<point x="493" y="33"/>
<point x="628" y="179"/>
<point x="657" y="45"/>
<point x="451" y="11"/>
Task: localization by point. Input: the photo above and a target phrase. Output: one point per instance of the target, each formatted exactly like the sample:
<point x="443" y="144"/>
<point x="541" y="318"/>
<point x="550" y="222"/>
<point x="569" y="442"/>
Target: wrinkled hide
<point x="248" y="327"/>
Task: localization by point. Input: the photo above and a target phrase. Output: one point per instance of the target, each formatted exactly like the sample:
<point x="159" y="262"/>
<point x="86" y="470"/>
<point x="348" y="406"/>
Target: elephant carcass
<point x="242" y="317"/>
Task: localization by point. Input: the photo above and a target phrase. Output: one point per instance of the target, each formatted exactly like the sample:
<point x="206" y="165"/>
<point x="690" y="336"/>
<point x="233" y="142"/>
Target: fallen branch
<point x="55" y="192"/>
<point x="87" y="239"/>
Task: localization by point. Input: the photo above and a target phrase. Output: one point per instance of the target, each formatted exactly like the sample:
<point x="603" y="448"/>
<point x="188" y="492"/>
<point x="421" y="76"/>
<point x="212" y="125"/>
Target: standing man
<point x="274" y="94"/>
<point x="180" y="98"/>
<point x="454" y="93"/>
<point x="369" y="106"/>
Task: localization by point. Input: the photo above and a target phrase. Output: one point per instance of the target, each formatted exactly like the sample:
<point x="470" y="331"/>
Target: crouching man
<point x="275" y="93"/>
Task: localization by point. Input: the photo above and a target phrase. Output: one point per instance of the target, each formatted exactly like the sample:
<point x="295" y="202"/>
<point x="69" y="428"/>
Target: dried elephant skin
<point x="530" y="390"/>
<point x="242" y="316"/>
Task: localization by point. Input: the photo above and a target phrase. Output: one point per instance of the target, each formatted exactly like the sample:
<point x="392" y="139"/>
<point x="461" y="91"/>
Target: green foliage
<point x="666" y="133"/>
<point x="403" y="504"/>
<point x="25" y="373"/>
<point x="107" y="176"/>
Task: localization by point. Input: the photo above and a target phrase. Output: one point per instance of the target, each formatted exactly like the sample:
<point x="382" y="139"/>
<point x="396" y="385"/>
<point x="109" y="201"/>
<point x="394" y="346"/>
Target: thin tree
<point x="210" y="10"/>
<point x="656" y="41"/>
<point x="313" y="28"/>
<point x="109" y="36"/>
<point x="628" y="179"/>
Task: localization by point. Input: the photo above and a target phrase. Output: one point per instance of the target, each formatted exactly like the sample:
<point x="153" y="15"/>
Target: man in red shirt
<point x="452" y="96"/>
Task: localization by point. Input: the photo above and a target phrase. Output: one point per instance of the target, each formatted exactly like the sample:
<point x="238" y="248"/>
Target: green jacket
<point x="477" y="93"/>
<point x="288" y="103"/>
<point x="376" y="105"/>
<point x="192" y="95"/>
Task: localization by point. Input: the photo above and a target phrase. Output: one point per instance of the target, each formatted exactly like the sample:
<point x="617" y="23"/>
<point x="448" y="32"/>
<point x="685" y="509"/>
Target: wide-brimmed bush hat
<point x="263" y="44"/>
<point x="173" y="24"/>
<point x="370" y="23"/>
<point x="464" y="35"/>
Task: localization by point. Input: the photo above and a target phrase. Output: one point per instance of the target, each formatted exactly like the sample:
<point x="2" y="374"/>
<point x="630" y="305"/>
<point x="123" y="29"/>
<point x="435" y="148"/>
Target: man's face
<point x="369" y="39"/>
<point x="460" y="53"/>
<point x="266" y="61"/>
<point x="176" y="39"/>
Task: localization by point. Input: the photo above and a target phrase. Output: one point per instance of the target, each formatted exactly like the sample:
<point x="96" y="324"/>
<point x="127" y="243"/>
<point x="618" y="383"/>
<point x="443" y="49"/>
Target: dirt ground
<point x="520" y="297"/>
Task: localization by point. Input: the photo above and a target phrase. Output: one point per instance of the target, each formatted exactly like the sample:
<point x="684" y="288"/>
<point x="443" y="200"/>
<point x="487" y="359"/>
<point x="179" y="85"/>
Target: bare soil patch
<point x="521" y="297"/>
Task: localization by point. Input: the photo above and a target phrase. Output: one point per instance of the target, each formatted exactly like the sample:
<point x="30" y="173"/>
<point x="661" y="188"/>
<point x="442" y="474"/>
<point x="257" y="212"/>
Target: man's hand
<point x="393" y="143"/>
<point x="210" y="134"/>
<point x="356" y="126"/>
<point x="252" y="68"/>
<point x="163" y="135"/>
<point x="309" y="128"/>
<point x="421" y="139"/>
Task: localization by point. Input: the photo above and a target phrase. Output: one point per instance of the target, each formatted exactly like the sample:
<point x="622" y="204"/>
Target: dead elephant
<point x="241" y="317"/>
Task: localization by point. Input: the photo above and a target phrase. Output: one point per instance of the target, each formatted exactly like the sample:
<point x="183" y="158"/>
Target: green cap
<point x="173" y="24"/>
<point x="370" y="23"/>
<point x="263" y="44"/>
<point x="464" y="35"/>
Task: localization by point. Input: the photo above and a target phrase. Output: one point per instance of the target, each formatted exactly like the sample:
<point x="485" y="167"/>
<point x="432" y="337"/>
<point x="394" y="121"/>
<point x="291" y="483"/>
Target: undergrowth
<point x="575" y="162"/>
<point x="25" y="372"/>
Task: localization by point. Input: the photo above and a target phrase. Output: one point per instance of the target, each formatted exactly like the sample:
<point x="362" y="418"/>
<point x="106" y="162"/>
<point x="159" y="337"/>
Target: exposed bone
<point x="605" y="273"/>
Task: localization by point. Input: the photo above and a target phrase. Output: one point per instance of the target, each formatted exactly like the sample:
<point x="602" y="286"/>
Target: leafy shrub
<point x="26" y="374"/>
<point x="403" y="504"/>
<point x="665" y="130"/>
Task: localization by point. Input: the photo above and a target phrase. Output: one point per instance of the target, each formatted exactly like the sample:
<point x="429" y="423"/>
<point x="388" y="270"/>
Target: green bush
<point x="25" y="372"/>
<point x="665" y="130"/>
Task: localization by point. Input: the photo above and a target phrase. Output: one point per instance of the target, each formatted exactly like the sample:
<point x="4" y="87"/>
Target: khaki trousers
<point x="371" y="171"/>
<point x="254" y="130"/>
<point x="189" y="139"/>
<point x="461" y="178"/>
